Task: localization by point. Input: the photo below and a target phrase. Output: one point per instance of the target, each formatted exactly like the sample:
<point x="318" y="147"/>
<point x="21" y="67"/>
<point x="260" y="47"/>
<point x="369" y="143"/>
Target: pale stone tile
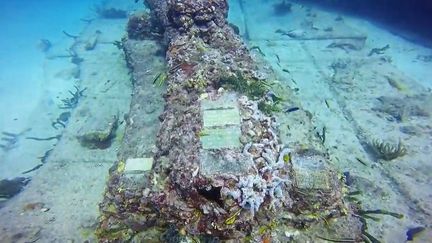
<point x="214" y="118"/>
<point x="217" y="138"/>
<point x="138" y="165"/>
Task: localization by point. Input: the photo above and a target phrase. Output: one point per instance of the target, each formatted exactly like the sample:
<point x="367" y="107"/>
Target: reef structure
<point x="219" y="170"/>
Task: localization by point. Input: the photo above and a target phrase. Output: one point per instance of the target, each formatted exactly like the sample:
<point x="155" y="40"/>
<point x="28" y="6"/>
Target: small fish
<point x="292" y="109"/>
<point x="327" y="104"/>
<point x="348" y="179"/>
<point x="361" y="161"/>
<point x="322" y="135"/>
<point x="160" y="79"/>
<point x="286" y="70"/>
<point x="258" y="49"/>
<point x="231" y="219"/>
<point x="287" y="158"/>
<point x="86" y="20"/>
<point x="121" y="166"/>
<point x="412" y="232"/>
<point x="274" y="97"/>
<point x="195" y="172"/>
<point x="277" y="57"/>
<point x="203" y="134"/>
<point x="280" y="31"/>
<point x="156" y="78"/>
<point x="355" y="193"/>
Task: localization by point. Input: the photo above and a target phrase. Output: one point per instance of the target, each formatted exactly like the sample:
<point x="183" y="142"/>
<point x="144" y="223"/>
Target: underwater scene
<point x="216" y="121"/>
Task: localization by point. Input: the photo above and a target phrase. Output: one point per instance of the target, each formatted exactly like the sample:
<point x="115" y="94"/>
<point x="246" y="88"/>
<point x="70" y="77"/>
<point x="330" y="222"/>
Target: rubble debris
<point x="142" y="26"/>
<point x="10" y="188"/>
<point x="99" y="137"/>
<point x="91" y="42"/>
<point x="402" y="108"/>
<point x="110" y="13"/>
<point x="348" y="44"/>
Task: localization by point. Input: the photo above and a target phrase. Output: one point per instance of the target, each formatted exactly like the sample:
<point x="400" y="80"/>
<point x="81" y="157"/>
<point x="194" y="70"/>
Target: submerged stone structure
<point x="219" y="170"/>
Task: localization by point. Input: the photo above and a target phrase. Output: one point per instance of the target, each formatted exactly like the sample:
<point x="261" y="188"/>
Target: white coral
<point x="253" y="189"/>
<point x="250" y="192"/>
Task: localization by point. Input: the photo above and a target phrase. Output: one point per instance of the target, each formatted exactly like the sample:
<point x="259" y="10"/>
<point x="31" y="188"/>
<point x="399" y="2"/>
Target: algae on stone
<point x="100" y="137"/>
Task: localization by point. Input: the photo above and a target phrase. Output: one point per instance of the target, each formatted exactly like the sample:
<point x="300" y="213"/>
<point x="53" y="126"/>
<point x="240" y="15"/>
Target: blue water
<point x="24" y="24"/>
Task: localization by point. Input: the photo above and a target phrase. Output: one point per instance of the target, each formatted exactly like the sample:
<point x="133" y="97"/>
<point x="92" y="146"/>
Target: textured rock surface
<point x="202" y="185"/>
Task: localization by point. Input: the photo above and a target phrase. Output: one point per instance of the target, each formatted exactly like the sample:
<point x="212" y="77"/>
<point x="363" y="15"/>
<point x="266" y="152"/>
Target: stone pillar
<point x="219" y="169"/>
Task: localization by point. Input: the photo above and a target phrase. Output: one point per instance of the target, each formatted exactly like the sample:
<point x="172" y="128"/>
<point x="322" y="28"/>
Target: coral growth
<point x="388" y="151"/>
<point x="253" y="88"/>
<point x="141" y="26"/>
<point x="269" y="184"/>
<point x="181" y="191"/>
<point x="99" y="138"/>
<point x="72" y="102"/>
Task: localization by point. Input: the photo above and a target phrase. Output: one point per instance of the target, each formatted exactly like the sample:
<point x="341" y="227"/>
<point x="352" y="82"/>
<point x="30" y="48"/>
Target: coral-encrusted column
<point x="202" y="49"/>
<point x="201" y="183"/>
